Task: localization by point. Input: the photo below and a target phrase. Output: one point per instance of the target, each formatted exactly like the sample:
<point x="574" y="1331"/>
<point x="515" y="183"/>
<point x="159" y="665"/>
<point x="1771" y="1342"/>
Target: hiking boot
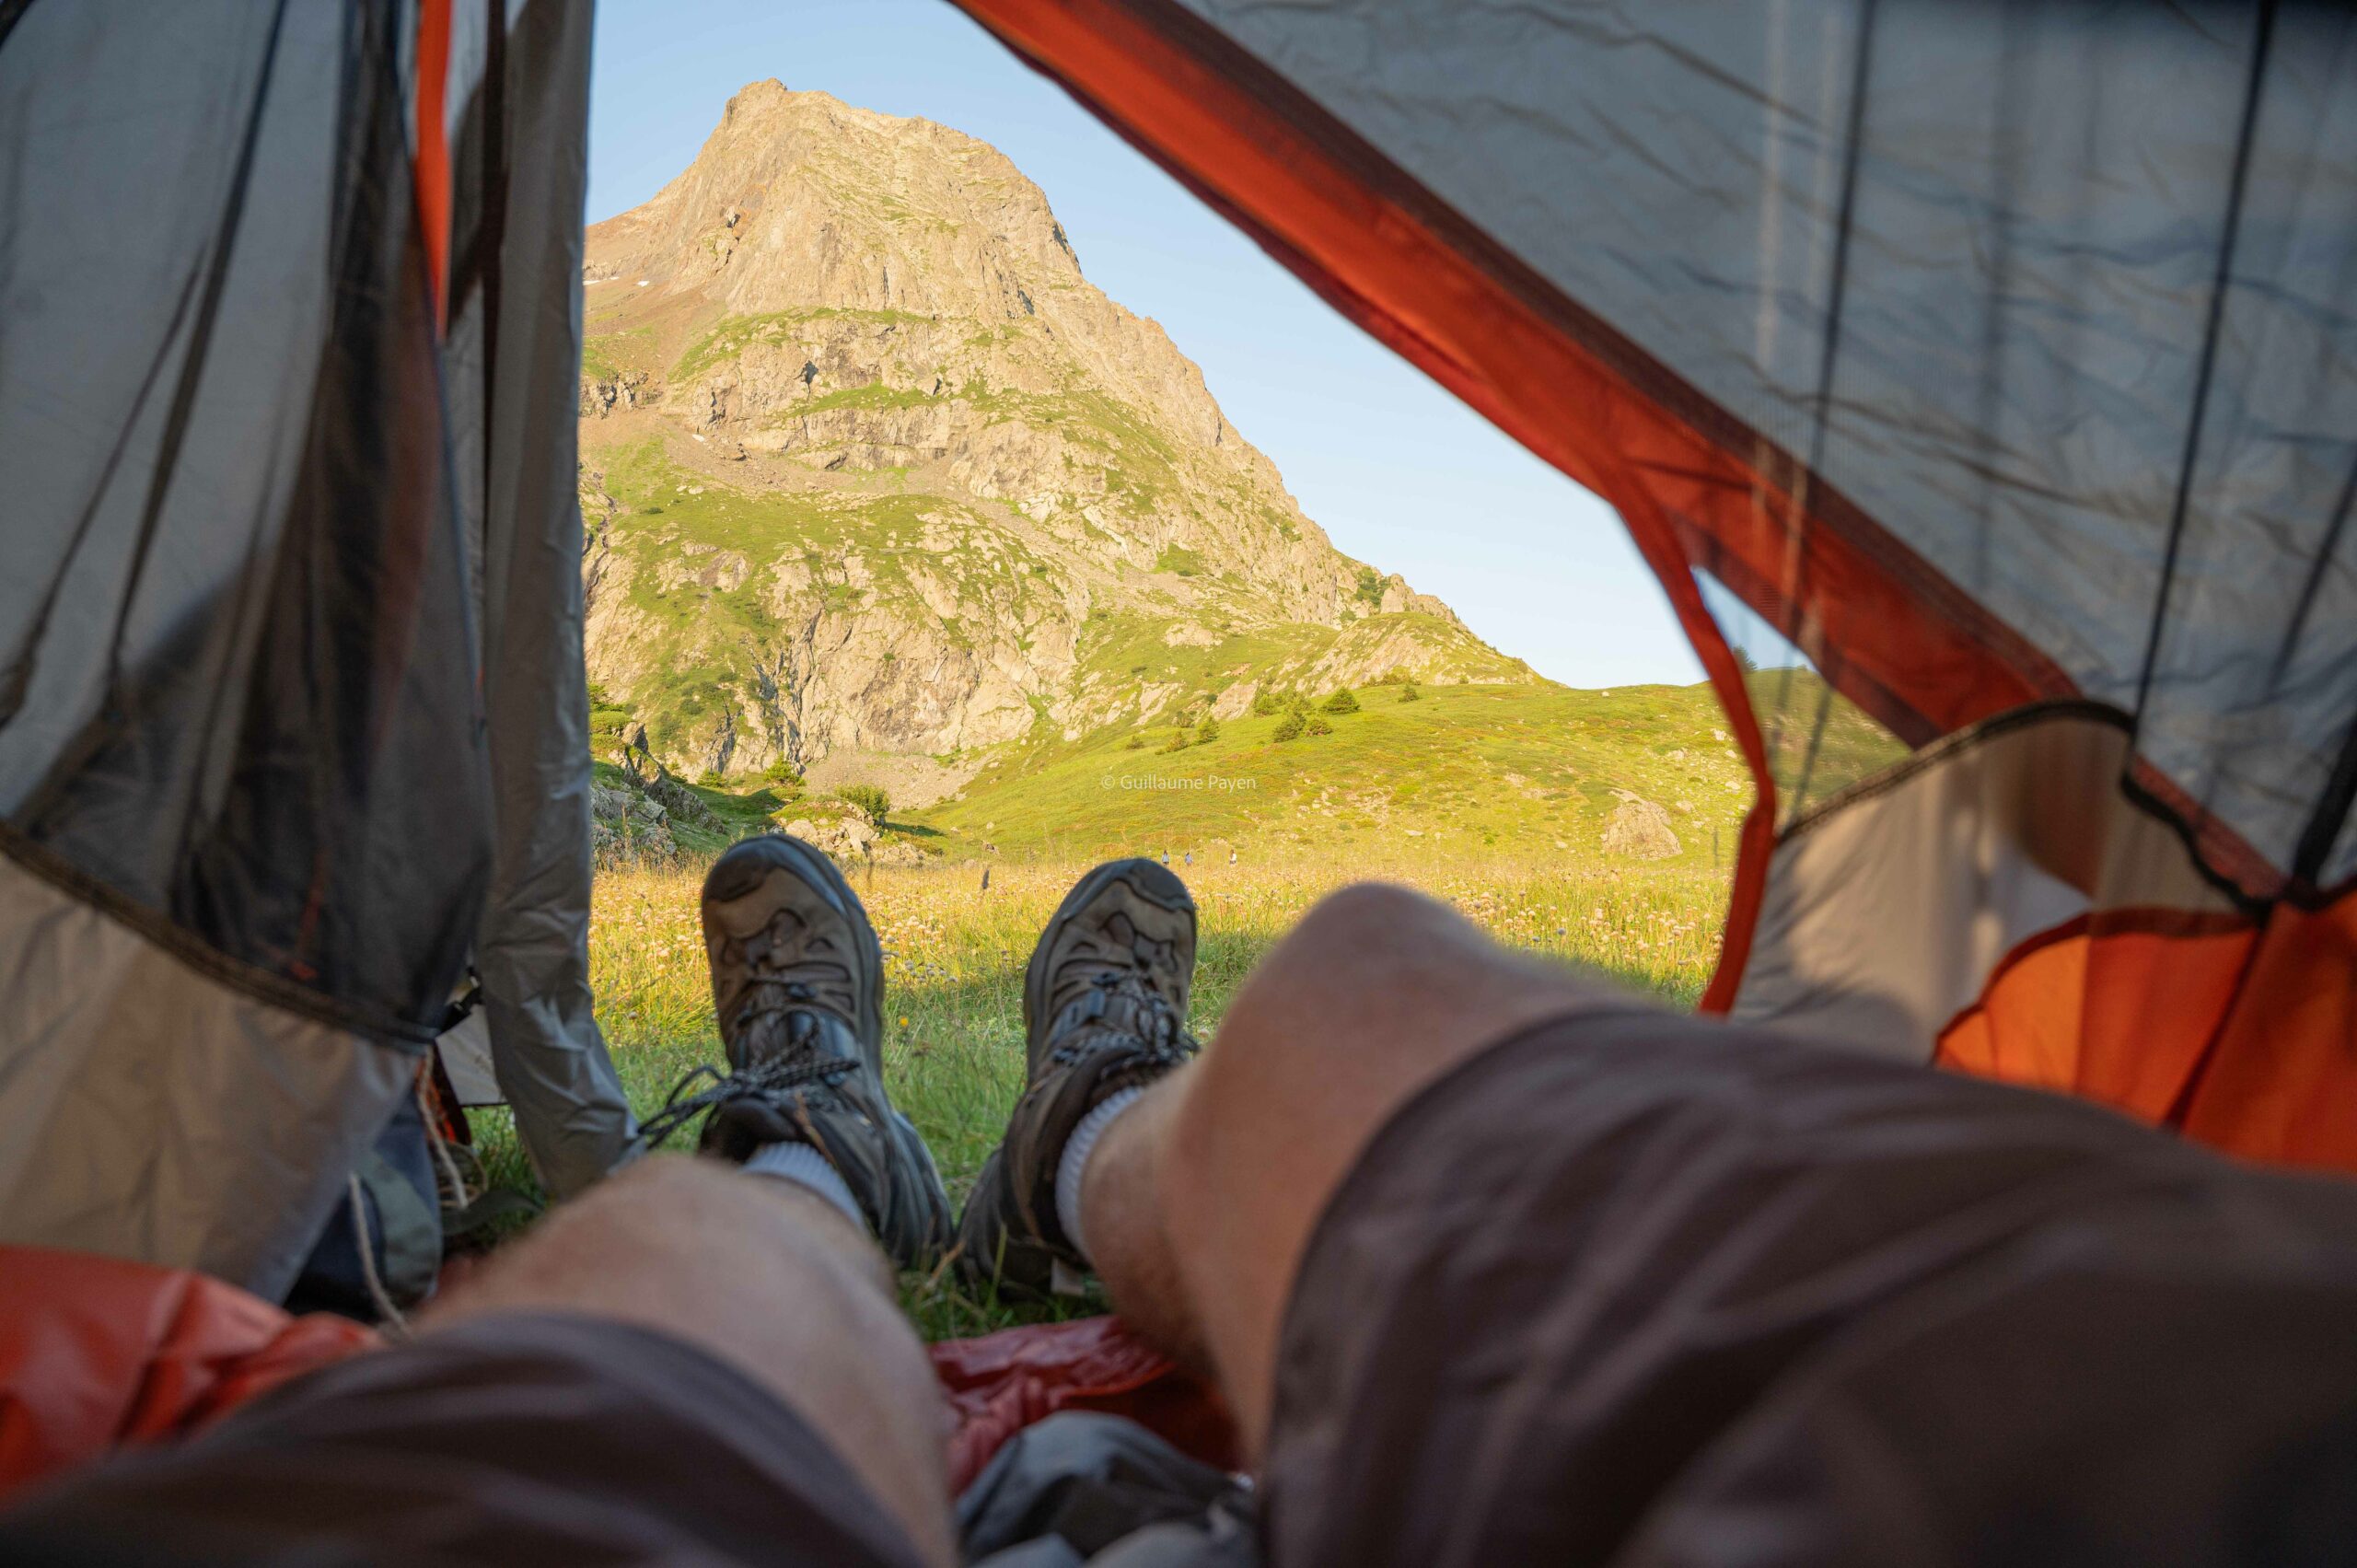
<point x="1104" y="1009"/>
<point x="797" y="988"/>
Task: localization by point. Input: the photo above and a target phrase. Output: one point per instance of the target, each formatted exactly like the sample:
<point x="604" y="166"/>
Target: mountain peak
<point x="752" y="96"/>
<point x="851" y="407"/>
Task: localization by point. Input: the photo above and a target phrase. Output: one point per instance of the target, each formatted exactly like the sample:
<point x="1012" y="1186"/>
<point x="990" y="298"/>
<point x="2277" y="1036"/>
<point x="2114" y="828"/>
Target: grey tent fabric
<point x="260" y="519"/>
<point x="2060" y="294"/>
<point x="1886" y="916"/>
<point x="239" y="668"/>
<point x="514" y="342"/>
<point x="225" y="1153"/>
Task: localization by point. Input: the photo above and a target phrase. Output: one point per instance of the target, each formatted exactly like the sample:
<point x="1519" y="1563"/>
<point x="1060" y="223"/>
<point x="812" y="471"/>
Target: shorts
<point x="1621" y="1290"/>
<point x="1629" y="1291"/>
<point x="514" y="1440"/>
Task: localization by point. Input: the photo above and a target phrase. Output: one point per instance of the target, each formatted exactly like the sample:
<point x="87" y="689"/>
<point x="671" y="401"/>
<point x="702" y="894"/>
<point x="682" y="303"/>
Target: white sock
<point x="806" y="1167"/>
<point x="1074" y="1162"/>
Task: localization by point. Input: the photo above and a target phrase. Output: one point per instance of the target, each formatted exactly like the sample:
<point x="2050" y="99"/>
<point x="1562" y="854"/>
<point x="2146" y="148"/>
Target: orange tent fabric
<point x="2186" y="1026"/>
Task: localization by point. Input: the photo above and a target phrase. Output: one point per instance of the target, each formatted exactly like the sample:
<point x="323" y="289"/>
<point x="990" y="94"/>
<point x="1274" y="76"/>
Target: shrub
<point x="1265" y="704"/>
<point x="1409" y="693"/>
<point x="1135" y="743"/>
<point x="711" y="778"/>
<point x="868" y="800"/>
<point x="783" y="772"/>
<point x="1289" y="728"/>
<point x="1318" y="727"/>
<point x="1208" y="733"/>
<point x="1177" y="741"/>
<point x="1342" y="702"/>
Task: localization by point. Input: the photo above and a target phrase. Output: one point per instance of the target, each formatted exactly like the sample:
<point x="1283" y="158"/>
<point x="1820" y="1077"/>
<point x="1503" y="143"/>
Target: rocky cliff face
<point x="870" y="468"/>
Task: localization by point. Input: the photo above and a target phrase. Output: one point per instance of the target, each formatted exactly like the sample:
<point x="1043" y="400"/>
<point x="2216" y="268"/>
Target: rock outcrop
<point x="1639" y="829"/>
<point x="869" y="465"/>
<point x="624" y="824"/>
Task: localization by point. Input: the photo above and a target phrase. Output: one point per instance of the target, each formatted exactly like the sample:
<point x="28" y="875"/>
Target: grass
<point x="954" y="965"/>
<point x="1527" y="769"/>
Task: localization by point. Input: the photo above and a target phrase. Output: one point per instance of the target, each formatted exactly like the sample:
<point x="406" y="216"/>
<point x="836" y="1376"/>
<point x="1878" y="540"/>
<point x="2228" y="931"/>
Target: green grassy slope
<point x="1466" y="768"/>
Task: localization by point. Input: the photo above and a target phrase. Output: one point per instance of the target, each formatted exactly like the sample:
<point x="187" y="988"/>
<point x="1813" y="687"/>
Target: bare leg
<point x="1198" y="1205"/>
<point x="1121" y="1200"/>
<point x="764" y="1275"/>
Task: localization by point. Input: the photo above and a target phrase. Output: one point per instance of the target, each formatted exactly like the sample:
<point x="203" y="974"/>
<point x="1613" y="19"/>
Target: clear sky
<point x="1397" y="471"/>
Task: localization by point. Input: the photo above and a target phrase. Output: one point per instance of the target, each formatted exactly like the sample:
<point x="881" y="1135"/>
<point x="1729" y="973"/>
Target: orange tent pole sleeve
<point x="431" y="156"/>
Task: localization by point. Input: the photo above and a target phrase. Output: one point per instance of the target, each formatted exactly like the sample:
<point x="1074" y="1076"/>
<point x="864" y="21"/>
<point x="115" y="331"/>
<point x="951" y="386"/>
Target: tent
<point x="292" y="715"/>
<point x="1989" y="371"/>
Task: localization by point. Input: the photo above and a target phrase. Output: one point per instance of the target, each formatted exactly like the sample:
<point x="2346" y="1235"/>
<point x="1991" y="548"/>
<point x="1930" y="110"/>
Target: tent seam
<point x="238" y="974"/>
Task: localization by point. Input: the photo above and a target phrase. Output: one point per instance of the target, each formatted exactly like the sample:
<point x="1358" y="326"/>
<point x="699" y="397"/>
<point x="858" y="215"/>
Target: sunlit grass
<point x="954" y="956"/>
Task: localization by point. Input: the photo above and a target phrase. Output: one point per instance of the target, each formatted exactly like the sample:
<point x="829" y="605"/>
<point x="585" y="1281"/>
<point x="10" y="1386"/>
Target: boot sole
<point x="1156" y="883"/>
<point x="746" y="863"/>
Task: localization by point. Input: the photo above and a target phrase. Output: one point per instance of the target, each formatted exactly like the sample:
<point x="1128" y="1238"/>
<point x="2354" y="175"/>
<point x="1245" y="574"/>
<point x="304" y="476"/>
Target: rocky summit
<point x="874" y="478"/>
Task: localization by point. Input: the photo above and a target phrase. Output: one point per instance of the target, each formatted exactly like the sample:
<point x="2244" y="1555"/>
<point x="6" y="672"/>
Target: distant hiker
<point x="1190" y="858"/>
<point x="986" y="878"/>
<point x="1165" y="857"/>
<point x="1443" y="1223"/>
<point x="1231" y="857"/>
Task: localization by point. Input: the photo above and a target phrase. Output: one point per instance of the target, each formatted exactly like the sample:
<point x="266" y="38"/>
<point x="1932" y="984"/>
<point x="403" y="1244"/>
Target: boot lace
<point x="805" y="1076"/>
<point x="1121" y="1013"/>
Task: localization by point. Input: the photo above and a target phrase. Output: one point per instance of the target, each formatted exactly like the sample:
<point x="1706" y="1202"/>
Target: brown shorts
<point x="1624" y="1289"/>
<point x="523" y="1440"/>
<point x="1631" y="1291"/>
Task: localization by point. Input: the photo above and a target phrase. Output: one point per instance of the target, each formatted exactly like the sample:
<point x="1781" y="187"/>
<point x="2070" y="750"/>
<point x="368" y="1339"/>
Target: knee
<point x="1298" y="1028"/>
<point x="1369" y="915"/>
<point x="1347" y="965"/>
<point x="646" y="1197"/>
<point x="1359" y="940"/>
<point x="1375" y="991"/>
<point x="652" y="1179"/>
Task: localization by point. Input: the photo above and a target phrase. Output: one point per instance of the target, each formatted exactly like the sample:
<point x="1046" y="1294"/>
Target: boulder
<point x="1639" y="829"/>
<point x="608" y="803"/>
<point x="848" y="839"/>
<point x="682" y="803"/>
